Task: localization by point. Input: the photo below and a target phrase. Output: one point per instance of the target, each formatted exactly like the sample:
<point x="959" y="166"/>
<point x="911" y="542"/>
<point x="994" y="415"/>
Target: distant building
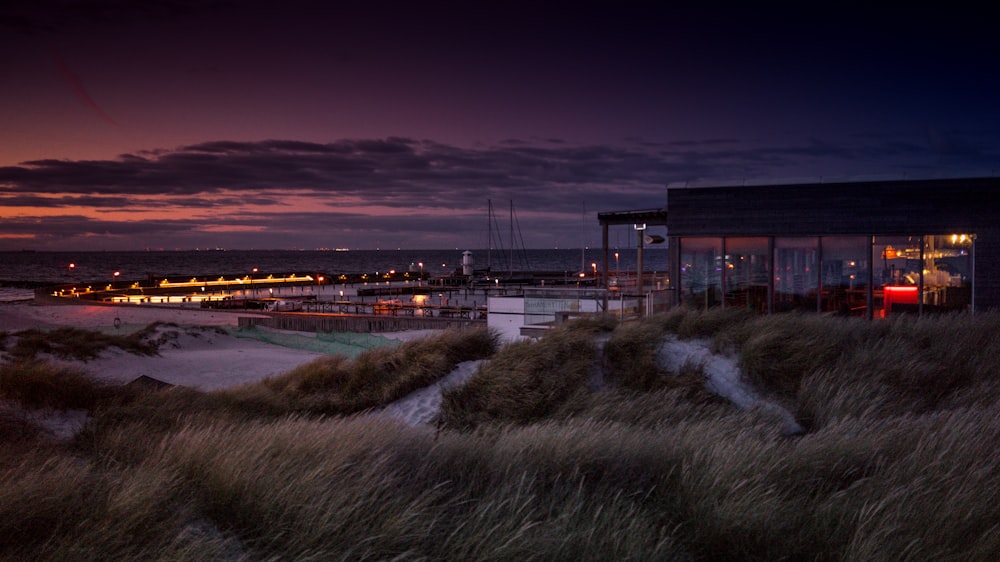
<point x="864" y="248"/>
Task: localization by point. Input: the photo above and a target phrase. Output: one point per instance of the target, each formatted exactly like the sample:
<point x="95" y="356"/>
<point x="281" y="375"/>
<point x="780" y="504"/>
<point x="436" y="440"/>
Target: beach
<point x="193" y="350"/>
<point x="196" y="348"/>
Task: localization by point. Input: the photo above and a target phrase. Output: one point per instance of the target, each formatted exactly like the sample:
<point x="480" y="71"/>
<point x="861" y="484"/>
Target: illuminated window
<point x="845" y="274"/>
<point x="747" y="271"/>
<point x="701" y="272"/>
<point x="895" y="263"/>
<point x="947" y="272"/>
<point x="796" y="273"/>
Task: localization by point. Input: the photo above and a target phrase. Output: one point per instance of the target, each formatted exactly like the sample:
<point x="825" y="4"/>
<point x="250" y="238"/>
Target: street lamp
<point x="114" y="278"/>
<point x="640" y="230"/>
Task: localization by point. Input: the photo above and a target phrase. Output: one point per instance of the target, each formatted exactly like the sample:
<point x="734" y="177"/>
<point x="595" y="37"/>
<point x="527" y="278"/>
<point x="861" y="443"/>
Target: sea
<point x="22" y="270"/>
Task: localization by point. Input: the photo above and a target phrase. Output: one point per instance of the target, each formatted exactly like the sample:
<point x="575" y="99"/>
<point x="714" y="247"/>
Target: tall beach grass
<point x="900" y="461"/>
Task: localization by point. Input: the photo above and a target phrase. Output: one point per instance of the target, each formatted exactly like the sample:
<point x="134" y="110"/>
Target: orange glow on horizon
<point x="217" y="205"/>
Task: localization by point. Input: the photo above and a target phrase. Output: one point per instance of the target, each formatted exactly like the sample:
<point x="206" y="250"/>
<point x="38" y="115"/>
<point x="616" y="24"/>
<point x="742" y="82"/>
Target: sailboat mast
<point x="489" y="235"/>
<point x="510" y="260"/>
<point x="583" y="242"/>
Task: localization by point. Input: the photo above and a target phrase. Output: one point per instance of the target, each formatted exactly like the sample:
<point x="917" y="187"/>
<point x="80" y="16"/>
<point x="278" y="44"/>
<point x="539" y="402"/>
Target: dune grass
<point x="527" y="381"/>
<point x="338" y="385"/>
<point x="44" y="385"/>
<point x="75" y="343"/>
<point x="901" y="459"/>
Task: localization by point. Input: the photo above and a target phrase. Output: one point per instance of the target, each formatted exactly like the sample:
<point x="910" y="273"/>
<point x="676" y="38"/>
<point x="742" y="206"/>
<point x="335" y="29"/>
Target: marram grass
<point x="532" y="461"/>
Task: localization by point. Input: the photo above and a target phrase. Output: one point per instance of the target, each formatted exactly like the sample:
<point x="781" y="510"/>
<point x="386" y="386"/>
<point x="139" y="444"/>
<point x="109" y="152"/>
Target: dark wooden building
<point x="867" y="248"/>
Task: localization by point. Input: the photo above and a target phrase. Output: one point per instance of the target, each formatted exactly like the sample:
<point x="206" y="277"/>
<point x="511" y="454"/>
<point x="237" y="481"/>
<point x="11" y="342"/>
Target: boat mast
<point x="489" y="235"/>
<point x="583" y="242"/>
<point x="510" y="260"/>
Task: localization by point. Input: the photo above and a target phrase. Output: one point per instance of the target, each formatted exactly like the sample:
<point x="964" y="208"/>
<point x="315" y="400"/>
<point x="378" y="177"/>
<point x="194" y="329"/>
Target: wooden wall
<point x="888" y="208"/>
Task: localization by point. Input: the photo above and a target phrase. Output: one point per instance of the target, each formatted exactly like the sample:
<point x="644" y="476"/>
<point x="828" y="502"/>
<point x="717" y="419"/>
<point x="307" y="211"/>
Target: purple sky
<point x="307" y="124"/>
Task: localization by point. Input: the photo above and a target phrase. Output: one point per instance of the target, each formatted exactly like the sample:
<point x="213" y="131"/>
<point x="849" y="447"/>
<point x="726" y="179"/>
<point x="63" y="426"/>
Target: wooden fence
<point x="362" y="323"/>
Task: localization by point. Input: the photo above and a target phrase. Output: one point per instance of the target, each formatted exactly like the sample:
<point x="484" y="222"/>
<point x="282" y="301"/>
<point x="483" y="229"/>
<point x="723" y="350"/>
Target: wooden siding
<point x="887" y="208"/>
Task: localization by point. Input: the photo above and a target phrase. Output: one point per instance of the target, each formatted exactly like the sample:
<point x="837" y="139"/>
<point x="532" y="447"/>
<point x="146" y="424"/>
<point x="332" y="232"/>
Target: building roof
<point x="656" y="217"/>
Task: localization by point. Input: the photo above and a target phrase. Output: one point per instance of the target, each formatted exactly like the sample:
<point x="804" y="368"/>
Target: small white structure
<point x="505" y="316"/>
<point x="515" y="317"/>
<point x="467" y="262"/>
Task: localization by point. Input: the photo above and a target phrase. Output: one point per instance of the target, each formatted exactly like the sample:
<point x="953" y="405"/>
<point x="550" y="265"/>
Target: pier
<point x="313" y="302"/>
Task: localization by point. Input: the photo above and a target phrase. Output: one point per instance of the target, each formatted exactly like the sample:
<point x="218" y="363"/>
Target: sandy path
<point x="421" y="406"/>
<point x="722" y="377"/>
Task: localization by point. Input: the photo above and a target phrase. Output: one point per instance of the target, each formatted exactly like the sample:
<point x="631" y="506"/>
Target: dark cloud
<point x="96" y="202"/>
<point x="437" y="192"/>
<point x="384" y="170"/>
<point x="67" y="227"/>
<point x="402" y="172"/>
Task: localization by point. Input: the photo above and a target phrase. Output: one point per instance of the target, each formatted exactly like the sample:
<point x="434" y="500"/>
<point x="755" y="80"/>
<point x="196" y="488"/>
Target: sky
<point x="184" y="124"/>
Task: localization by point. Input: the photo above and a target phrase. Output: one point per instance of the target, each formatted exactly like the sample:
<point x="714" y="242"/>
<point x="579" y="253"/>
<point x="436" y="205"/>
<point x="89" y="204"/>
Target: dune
<point x="194" y="350"/>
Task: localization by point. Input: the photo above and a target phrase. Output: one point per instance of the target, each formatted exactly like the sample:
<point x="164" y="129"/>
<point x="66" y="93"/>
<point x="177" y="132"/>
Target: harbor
<point x="328" y="303"/>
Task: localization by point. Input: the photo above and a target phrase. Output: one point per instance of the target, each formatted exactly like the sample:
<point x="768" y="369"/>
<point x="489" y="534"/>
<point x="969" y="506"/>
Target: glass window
<point x="845" y="274"/>
<point x="747" y="272"/>
<point x="896" y="279"/>
<point x="796" y="277"/>
<point x="947" y="272"/>
<point x="701" y="272"/>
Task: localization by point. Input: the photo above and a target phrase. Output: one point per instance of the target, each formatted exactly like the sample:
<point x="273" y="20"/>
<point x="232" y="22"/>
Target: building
<point x="864" y="248"/>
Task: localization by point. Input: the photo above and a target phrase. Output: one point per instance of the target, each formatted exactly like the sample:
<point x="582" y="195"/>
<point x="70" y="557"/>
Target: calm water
<point x="53" y="267"/>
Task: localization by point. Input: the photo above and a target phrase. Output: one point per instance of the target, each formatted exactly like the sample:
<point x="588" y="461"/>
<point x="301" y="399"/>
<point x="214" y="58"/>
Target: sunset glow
<point x="317" y="124"/>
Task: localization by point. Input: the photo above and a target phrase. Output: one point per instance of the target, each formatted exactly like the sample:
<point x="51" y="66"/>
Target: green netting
<point x="343" y="343"/>
<point x="349" y="344"/>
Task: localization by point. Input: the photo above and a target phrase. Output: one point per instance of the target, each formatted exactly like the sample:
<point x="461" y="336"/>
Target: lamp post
<point x="114" y="277"/>
<point x="640" y="229"/>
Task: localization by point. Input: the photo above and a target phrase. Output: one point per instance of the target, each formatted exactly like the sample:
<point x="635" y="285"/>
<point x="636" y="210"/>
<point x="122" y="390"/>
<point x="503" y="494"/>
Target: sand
<point x="722" y="377"/>
<point x="192" y="352"/>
